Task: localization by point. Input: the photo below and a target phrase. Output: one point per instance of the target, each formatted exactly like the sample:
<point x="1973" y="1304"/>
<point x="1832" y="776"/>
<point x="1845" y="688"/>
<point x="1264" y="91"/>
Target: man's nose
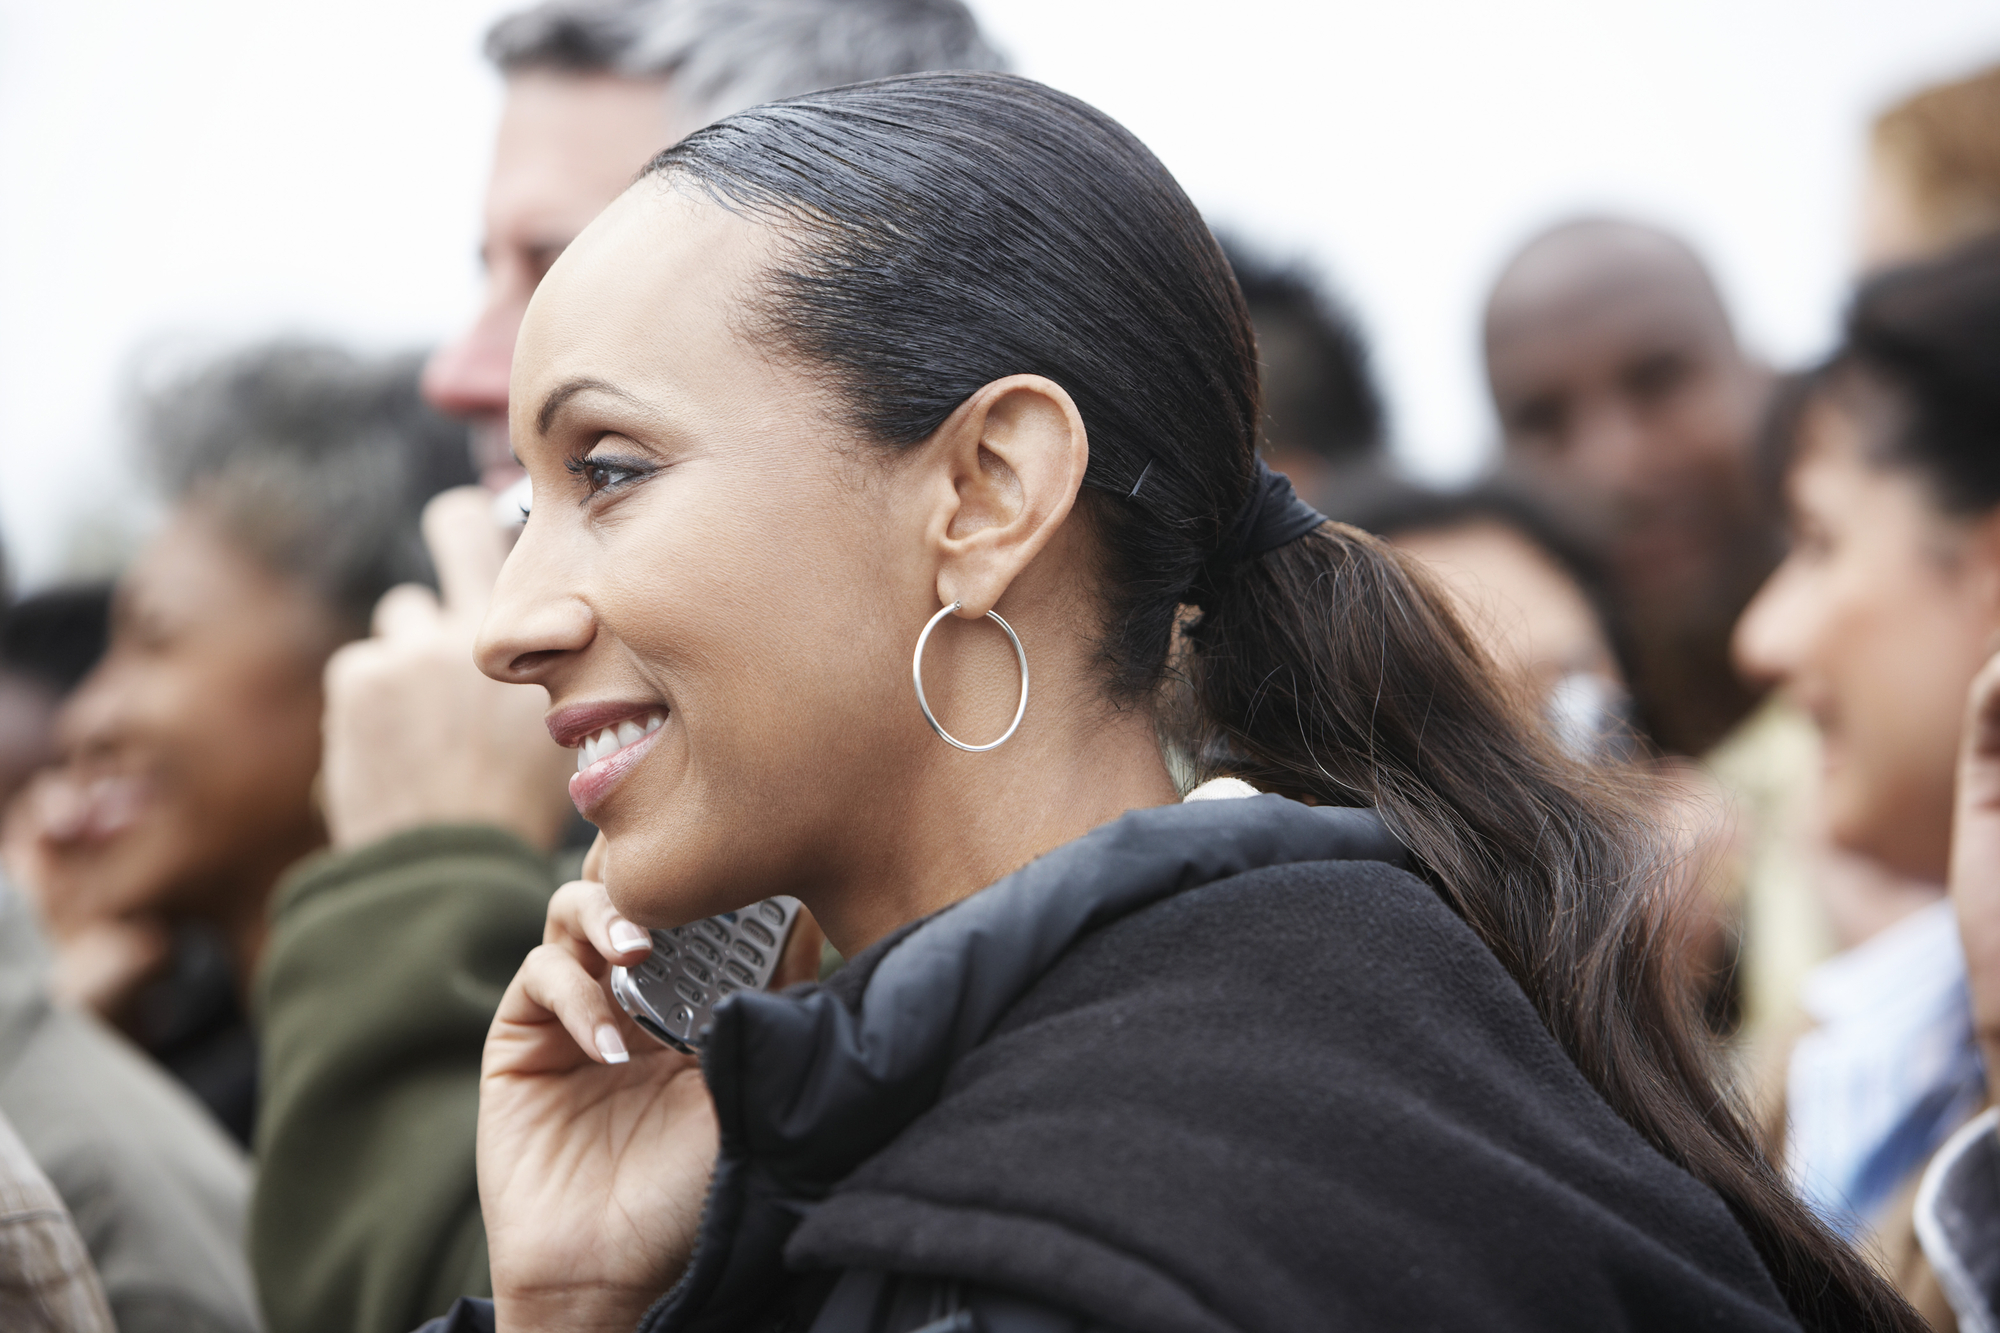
<point x="1610" y="449"/>
<point x="468" y="376"/>
<point x="93" y="716"/>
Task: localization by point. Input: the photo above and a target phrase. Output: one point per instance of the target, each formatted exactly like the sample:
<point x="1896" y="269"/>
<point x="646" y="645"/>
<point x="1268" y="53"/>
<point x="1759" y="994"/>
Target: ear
<point x="1014" y="454"/>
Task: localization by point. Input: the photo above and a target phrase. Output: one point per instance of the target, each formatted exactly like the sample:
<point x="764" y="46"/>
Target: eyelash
<point x="597" y="471"/>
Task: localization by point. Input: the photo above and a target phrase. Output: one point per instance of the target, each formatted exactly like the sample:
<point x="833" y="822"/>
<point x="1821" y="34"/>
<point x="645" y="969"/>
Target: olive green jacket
<point x="382" y="972"/>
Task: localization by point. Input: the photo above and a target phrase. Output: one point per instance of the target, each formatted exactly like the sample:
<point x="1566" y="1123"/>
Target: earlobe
<point x="1017" y="451"/>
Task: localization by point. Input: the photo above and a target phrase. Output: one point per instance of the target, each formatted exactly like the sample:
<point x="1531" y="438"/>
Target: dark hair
<point x="1319" y="393"/>
<point x="1924" y="340"/>
<point x="945" y="231"/>
<point x="57" y="635"/>
<point x="315" y="461"/>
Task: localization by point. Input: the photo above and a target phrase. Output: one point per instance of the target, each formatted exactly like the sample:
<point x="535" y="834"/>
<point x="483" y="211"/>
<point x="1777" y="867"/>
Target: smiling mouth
<point x="604" y="757"/>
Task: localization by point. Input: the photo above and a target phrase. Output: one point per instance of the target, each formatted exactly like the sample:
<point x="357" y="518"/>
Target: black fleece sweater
<point x="1213" y="1068"/>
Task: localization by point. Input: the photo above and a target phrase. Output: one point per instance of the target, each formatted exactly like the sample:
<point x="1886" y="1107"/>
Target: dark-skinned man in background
<point x="1626" y="401"/>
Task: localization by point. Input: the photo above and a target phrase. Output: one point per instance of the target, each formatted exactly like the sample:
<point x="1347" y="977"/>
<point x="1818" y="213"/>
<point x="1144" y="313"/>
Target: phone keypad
<point x="694" y="967"/>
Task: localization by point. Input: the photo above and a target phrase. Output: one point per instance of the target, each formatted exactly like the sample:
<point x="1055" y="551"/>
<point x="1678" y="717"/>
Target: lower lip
<point x="588" y="788"/>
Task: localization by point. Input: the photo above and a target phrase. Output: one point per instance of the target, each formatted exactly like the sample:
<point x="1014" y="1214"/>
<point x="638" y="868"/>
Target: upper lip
<point x="571" y="726"/>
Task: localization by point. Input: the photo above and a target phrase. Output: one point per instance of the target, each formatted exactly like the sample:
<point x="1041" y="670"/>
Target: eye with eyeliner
<point x="606" y="473"/>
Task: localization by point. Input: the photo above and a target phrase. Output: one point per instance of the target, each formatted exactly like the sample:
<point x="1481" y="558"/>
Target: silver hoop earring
<point x="917" y="679"/>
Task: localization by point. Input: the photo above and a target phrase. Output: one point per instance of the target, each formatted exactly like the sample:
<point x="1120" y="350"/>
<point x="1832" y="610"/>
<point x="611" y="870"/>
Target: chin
<point x="646" y="897"/>
<point x="1855" y="827"/>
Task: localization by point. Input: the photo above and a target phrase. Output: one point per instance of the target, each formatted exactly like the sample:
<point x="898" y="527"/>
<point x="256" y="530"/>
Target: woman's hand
<point x="98" y="897"/>
<point x="1975" y="858"/>
<point x="595" y="1142"/>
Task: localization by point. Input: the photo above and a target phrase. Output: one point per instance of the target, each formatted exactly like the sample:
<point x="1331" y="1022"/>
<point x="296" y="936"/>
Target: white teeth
<point x="605" y="743"/>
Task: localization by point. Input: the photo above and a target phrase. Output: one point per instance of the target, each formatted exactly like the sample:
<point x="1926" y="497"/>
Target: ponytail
<point x="1332" y="671"/>
<point x="943" y="231"/>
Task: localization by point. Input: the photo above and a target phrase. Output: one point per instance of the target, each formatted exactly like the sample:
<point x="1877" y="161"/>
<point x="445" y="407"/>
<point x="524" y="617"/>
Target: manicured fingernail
<point x="610" y="1045"/>
<point x="625" y="937"/>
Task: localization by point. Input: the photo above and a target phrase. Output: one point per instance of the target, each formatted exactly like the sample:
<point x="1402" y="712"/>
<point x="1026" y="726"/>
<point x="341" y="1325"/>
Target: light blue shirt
<point x="1889" y="1072"/>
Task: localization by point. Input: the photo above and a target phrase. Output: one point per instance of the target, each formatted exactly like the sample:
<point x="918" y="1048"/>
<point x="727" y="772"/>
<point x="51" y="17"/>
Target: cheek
<point x="244" y="734"/>
<point x="1900" y="674"/>
<point x="784" y="659"/>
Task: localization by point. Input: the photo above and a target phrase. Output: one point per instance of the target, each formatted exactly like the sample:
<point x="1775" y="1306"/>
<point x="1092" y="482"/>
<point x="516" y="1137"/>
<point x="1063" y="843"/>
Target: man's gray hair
<point x="725" y="55"/>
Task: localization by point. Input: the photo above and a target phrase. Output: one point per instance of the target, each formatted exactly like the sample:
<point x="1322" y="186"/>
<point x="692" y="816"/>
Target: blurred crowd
<point x="273" y="847"/>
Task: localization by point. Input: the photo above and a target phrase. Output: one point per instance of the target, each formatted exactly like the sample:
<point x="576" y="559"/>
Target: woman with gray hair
<point x="297" y="473"/>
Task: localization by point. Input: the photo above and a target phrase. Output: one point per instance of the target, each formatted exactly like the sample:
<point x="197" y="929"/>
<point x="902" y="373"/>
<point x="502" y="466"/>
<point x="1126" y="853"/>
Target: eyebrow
<point x="569" y="389"/>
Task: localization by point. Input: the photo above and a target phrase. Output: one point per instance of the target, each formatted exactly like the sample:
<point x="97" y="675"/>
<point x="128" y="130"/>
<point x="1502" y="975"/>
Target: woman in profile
<point x="1398" y="1043"/>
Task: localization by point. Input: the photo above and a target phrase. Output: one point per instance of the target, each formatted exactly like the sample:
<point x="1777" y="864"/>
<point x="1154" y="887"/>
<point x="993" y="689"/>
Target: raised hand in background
<point x="415" y="735"/>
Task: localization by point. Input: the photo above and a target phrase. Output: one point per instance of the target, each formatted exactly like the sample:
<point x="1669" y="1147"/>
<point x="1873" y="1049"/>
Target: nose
<point x="538" y="621"/>
<point x="93" y="717"/>
<point x="468" y="376"/>
<point x="1609" y="451"/>
<point x="1770" y="635"/>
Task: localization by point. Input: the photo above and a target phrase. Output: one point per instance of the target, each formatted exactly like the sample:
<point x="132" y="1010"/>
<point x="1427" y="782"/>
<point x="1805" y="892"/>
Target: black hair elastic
<point x="1273" y="516"/>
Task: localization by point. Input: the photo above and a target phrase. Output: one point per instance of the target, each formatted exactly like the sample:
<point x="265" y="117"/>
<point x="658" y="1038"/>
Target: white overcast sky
<point x="203" y="172"/>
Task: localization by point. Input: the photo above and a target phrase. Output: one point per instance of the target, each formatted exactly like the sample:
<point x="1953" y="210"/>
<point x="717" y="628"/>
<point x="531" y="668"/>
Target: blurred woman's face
<point x="194" y="744"/>
<point x="1529" y="615"/>
<point x="719" y="585"/>
<point x="1876" y="623"/>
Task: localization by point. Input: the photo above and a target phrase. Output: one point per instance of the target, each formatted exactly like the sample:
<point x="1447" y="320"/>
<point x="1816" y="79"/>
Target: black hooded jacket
<point x="1213" y="1068"/>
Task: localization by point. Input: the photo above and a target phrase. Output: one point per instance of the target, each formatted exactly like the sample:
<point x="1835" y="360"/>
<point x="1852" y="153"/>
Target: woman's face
<point x="1527" y="612"/>
<point x="1876" y="622"/>
<point x="193" y="746"/>
<point x="719" y="586"/>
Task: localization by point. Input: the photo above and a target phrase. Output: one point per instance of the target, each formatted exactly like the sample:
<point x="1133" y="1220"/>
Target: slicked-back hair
<point x="724" y="55"/>
<point x="940" y="232"/>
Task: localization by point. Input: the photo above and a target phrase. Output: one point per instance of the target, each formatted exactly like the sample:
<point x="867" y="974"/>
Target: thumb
<point x="1979" y="754"/>
<point x="467" y="548"/>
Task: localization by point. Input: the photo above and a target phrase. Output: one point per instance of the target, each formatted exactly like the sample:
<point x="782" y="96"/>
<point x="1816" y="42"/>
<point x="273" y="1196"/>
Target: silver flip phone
<point x="674" y="992"/>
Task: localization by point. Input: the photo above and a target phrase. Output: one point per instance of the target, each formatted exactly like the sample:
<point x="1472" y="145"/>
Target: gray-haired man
<point x="443" y="793"/>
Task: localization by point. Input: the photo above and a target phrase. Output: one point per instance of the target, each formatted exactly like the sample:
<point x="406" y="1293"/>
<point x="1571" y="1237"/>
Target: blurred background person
<point x="51" y="1287"/>
<point x="1876" y="622"/>
<point x="1525" y="585"/>
<point x="1324" y="420"/>
<point x="444" y="795"/>
<point x="1625" y="400"/>
<point x="1957" y="1211"/>
<point x="296" y="473"/>
<point x="158" y="1192"/>
<point x="1933" y="177"/>
<point x="124" y="1198"/>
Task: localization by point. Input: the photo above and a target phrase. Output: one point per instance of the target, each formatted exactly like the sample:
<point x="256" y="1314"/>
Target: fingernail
<point x="610" y="1045"/>
<point x="626" y="937"/>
